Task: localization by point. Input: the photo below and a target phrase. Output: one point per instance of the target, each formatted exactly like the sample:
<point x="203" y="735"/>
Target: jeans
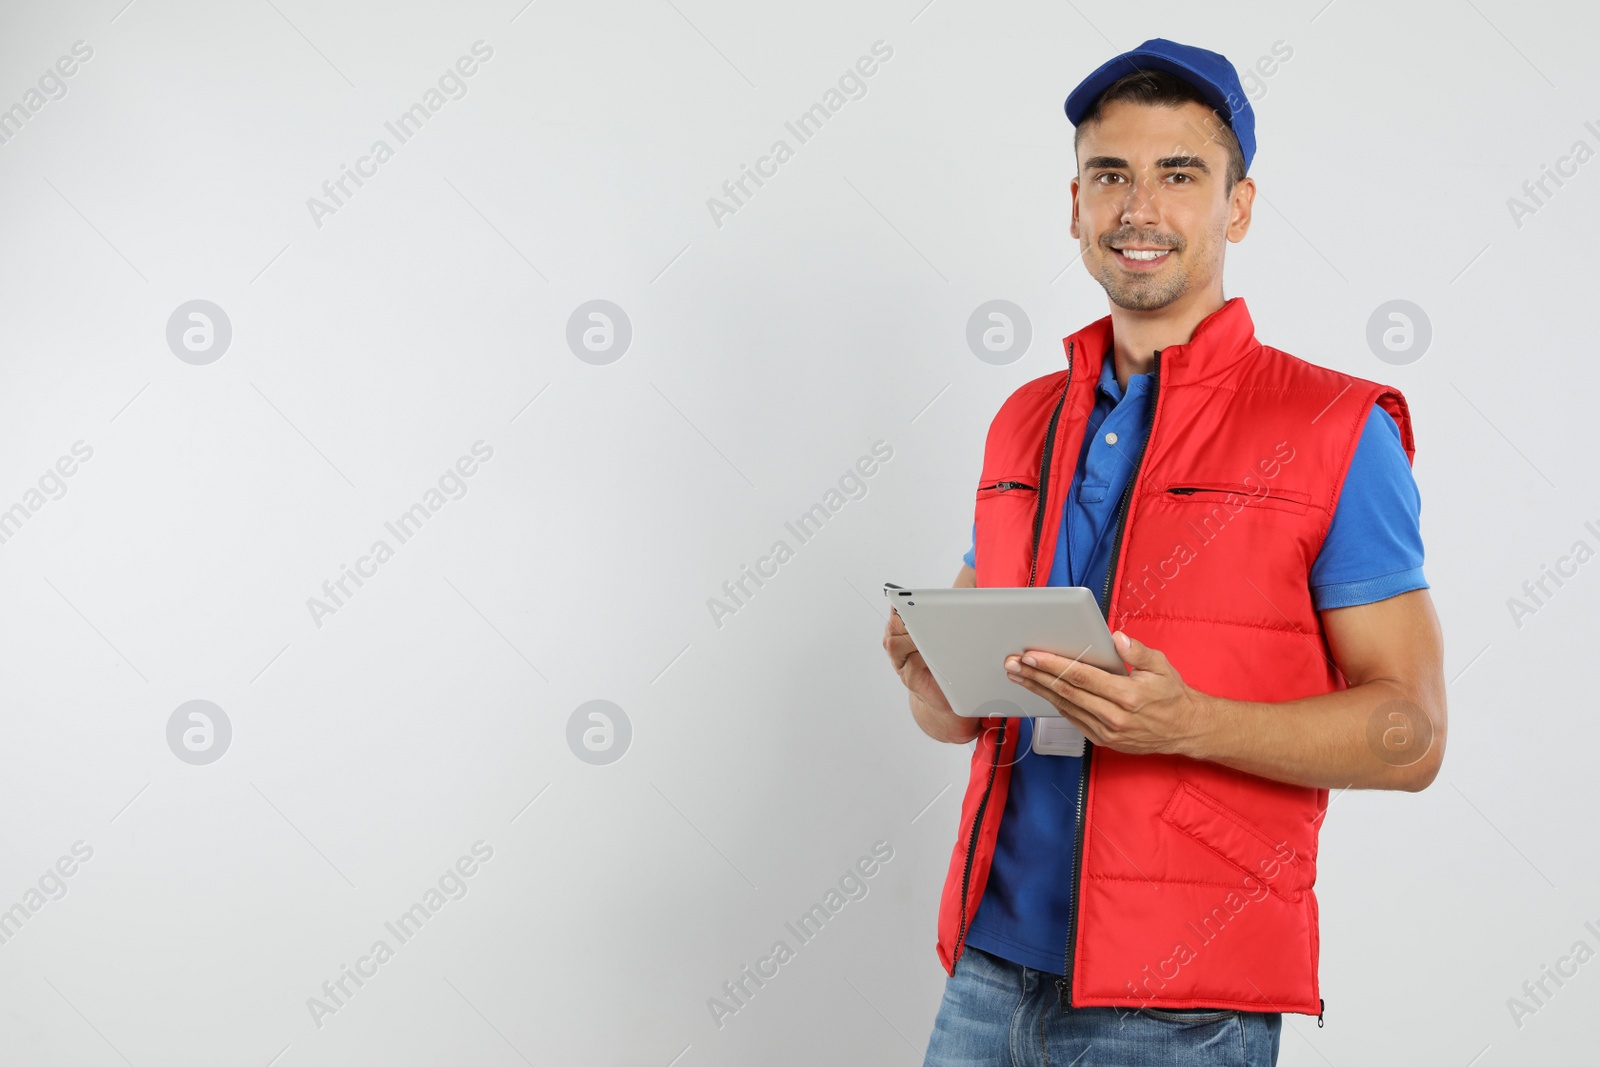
<point x="996" y="1013"/>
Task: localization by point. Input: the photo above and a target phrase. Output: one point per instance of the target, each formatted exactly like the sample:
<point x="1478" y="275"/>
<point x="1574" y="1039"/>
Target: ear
<point x="1073" y="229"/>
<point x="1239" y="209"/>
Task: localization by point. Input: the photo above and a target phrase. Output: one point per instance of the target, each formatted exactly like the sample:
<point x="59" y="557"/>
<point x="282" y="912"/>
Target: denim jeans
<point x="996" y="1013"/>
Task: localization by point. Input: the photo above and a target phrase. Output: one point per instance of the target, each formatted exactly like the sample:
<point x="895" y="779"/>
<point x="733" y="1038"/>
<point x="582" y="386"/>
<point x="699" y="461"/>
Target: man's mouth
<point x="1141" y="256"/>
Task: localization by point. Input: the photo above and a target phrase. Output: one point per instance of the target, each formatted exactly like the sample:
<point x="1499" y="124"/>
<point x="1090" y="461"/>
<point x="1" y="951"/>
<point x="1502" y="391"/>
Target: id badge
<point x="1054" y="735"/>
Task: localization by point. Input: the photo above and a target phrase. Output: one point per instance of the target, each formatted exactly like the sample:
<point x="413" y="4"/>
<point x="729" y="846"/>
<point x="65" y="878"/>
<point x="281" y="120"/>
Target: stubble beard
<point x="1141" y="293"/>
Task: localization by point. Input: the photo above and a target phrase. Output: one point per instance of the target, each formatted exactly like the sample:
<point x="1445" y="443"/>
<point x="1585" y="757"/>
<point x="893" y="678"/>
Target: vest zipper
<point x="1003" y="486"/>
<point x="1064" y="983"/>
<point x="1000" y="739"/>
<point x="1044" y="468"/>
<point x="972" y="842"/>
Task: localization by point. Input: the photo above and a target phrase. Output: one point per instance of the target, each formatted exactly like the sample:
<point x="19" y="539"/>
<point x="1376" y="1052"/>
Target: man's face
<point x="1148" y="206"/>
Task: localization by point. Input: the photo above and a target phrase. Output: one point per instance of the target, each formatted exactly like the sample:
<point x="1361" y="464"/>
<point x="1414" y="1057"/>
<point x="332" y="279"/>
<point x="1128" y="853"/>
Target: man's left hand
<point x="1150" y="710"/>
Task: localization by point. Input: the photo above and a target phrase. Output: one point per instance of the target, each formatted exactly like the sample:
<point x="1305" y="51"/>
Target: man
<point x="1249" y="523"/>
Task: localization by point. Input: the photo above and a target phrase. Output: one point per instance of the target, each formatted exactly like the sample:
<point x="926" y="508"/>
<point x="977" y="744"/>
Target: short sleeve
<point x="1373" y="550"/>
<point x="971" y="558"/>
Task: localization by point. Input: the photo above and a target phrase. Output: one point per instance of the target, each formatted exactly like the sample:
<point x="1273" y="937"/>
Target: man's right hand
<point x="928" y="704"/>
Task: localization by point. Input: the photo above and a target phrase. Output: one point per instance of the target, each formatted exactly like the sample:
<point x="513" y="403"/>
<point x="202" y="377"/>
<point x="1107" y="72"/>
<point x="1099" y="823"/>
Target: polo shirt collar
<point x="1108" y="383"/>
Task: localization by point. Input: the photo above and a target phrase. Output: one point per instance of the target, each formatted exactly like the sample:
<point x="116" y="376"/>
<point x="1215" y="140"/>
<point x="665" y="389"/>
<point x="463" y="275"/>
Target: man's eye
<point x="1185" y="177"/>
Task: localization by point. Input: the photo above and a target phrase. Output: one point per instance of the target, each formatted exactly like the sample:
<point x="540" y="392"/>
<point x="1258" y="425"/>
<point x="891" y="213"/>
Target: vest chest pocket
<point x="1004" y="514"/>
<point x="1236" y="496"/>
<point x="1003" y="486"/>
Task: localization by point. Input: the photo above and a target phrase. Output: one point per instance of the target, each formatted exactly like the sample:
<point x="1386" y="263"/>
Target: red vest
<point x="1194" y="881"/>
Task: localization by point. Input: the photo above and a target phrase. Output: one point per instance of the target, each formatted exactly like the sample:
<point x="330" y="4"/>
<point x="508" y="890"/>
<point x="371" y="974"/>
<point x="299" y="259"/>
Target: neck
<point x="1137" y="335"/>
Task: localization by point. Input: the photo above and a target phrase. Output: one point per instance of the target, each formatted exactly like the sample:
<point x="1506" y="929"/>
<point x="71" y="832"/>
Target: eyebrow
<point x="1164" y="163"/>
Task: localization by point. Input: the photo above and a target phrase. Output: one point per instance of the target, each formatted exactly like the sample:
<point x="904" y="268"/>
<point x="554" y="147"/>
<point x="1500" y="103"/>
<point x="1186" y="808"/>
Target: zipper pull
<point x="1321" y="1005"/>
<point x="1063" y="994"/>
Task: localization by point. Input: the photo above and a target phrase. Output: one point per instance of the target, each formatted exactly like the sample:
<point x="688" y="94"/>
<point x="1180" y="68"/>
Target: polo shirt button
<point x="1111" y="438"/>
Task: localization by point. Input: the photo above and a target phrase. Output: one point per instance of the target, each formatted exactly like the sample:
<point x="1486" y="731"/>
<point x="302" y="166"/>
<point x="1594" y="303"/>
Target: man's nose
<point x="1141" y="205"/>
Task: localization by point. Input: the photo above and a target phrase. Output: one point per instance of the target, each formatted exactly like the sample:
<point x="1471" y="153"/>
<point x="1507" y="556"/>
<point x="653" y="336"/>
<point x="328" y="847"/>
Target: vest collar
<point x="1220" y="340"/>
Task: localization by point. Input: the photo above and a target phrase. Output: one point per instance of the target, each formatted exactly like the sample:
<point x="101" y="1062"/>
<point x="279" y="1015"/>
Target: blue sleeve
<point x="1373" y="550"/>
<point x="971" y="558"/>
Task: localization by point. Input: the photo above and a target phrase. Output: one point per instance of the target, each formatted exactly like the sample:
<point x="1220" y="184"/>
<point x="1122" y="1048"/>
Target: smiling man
<point x="1250" y="525"/>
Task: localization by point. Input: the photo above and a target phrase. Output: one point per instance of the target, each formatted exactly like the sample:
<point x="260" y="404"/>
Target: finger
<point x="1088" y="725"/>
<point x="1074" y="676"/>
<point x="1107" y="714"/>
<point x="1138" y="655"/>
<point x="1073" y="707"/>
<point x="888" y="640"/>
<point x="901" y="640"/>
<point x="1091" y="726"/>
<point x="901" y="653"/>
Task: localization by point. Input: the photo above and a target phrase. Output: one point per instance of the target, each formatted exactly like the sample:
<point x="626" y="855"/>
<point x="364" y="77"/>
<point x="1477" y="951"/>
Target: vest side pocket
<point x="1237" y="841"/>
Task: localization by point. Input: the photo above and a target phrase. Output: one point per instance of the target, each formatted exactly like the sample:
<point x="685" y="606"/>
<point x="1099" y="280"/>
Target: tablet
<point x="965" y="635"/>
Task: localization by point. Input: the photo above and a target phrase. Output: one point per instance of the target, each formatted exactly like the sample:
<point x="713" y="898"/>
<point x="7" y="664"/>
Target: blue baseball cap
<point x="1208" y="72"/>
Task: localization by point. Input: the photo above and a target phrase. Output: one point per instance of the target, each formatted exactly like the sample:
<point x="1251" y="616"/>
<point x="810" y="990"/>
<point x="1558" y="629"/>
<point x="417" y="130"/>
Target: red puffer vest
<point x="1193" y="881"/>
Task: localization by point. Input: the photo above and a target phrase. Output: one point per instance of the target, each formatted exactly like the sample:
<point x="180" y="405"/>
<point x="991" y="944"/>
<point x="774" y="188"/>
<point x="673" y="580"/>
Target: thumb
<point x="1134" y="653"/>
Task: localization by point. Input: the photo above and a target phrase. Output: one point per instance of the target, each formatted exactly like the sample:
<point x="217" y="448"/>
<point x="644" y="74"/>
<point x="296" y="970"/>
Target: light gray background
<point x="768" y="354"/>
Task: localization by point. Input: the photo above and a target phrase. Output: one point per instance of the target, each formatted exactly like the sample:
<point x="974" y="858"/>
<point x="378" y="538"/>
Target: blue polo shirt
<point x="1373" y="551"/>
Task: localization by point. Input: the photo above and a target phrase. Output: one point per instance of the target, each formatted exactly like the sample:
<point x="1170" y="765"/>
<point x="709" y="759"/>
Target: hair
<point x="1160" y="89"/>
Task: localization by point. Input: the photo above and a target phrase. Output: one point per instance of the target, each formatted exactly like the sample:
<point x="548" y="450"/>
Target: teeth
<point x="1135" y="253"/>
